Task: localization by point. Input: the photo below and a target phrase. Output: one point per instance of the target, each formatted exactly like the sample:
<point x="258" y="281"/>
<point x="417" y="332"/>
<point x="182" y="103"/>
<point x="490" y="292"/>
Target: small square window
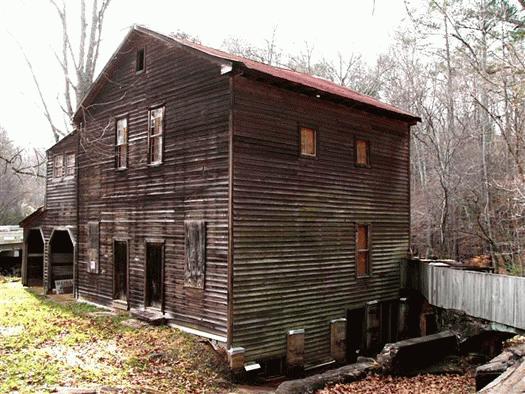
<point x="362" y="250"/>
<point x="139" y="62"/>
<point x="308" y="142"/>
<point x="362" y="153"/>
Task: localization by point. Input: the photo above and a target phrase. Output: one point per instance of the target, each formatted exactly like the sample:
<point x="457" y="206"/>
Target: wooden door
<point x="154" y="268"/>
<point x="120" y="275"/>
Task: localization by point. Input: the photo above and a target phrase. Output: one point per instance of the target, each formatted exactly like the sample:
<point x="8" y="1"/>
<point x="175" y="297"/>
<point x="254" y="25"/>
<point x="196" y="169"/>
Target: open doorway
<point x="35" y="258"/>
<point x="355" y="334"/>
<point x="154" y="275"/>
<point x="120" y="270"/>
<point x="60" y="267"/>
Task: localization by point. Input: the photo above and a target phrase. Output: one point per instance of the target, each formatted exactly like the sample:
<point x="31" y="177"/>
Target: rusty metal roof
<point x="296" y="77"/>
<point x="321" y="86"/>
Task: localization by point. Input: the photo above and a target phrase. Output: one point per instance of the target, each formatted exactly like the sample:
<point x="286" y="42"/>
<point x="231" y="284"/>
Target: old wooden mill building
<point x="263" y="208"/>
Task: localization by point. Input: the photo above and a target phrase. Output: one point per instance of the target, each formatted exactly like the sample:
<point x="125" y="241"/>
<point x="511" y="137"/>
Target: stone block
<point x="236" y="358"/>
<point x="338" y="339"/>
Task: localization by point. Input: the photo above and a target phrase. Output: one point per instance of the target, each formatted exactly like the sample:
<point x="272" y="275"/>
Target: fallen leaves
<point x="427" y="384"/>
<point x="75" y="345"/>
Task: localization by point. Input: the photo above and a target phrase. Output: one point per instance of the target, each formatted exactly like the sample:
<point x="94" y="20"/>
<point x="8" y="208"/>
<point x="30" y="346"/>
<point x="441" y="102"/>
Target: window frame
<point x="316" y="141"/>
<point x="368" y="250"/>
<point x="141" y="51"/>
<point x="159" y="136"/>
<point x="368" y="163"/>
<point x="67" y="167"/>
<point x="118" y="146"/>
<point x="61" y="157"/>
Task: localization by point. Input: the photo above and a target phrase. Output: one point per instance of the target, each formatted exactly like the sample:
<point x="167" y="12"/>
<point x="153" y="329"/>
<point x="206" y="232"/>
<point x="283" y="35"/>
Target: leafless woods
<point x="460" y="65"/>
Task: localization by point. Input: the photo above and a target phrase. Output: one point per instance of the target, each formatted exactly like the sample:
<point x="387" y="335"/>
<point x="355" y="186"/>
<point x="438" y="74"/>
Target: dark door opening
<point x="355" y="333"/>
<point x="35" y="258"/>
<point x="154" y="268"/>
<point x="61" y="252"/>
<point x="120" y="274"/>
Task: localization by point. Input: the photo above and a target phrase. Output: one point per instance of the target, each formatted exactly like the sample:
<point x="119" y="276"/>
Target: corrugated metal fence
<point x="498" y="298"/>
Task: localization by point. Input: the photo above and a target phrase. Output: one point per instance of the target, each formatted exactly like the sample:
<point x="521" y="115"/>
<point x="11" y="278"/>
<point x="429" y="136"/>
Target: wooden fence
<point x="498" y="298"/>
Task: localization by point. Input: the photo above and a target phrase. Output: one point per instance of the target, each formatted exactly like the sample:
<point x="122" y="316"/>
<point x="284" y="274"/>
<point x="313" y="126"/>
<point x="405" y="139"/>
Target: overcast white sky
<point x="332" y="26"/>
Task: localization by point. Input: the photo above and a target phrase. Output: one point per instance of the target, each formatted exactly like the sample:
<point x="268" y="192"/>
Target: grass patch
<point x="44" y="344"/>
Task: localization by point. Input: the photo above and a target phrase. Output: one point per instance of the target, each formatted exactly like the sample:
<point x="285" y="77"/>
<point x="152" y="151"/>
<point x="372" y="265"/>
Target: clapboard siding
<point x="294" y="217"/>
<point x="153" y="201"/>
<point x="60" y="208"/>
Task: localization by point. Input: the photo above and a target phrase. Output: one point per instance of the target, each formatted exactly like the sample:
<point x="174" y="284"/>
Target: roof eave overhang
<point x="321" y="94"/>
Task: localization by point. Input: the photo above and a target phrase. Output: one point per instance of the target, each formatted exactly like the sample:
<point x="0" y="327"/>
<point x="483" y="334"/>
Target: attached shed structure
<point x="249" y="204"/>
<point x="50" y="231"/>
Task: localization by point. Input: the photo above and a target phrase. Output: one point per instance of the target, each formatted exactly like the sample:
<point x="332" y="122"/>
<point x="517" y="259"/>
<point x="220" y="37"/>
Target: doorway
<point x="120" y="270"/>
<point x="355" y="334"/>
<point x="34" y="258"/>
<point x="154" y="275"/>
<point x="60" y="267"/>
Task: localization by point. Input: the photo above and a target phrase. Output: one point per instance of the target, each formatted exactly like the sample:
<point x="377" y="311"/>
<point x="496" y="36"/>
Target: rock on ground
<point x="348" y="373"/>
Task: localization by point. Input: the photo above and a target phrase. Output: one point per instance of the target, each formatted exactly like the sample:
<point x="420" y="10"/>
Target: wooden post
<point x="338" y="339"/>
<point x="372" y="321"/>
<point x="295" y="353"/>
<point x="402" y="322"/>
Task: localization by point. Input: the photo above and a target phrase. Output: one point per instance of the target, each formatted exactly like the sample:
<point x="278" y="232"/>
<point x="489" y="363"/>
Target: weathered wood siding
<point x="60" y="209"/>
<point x="294" y="217"/>
<point x="147" y="201"/>
<point x="497" y="298"/>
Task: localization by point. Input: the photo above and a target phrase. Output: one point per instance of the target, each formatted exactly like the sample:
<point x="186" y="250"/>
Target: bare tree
<point x="21" y="181"/>
<point x="77" y="62"/>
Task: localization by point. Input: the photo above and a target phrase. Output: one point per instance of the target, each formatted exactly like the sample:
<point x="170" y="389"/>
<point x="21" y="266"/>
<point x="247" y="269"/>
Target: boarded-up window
<point x="195" y="251"/>
<point x="308" y="142"/>
<point x="121" y="144"/>
<point x="362" y="250"/>
<point x="58" y="166"/>
<point x="93" y="237"/>
<point x="362" y="152"/>
<point x="155" y="134"/>
<point x="70" y="164"/>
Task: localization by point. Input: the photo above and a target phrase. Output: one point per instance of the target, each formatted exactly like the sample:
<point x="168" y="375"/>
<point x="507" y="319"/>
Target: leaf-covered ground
<point x="422" y="384"/>
<point x="45" y="344"/>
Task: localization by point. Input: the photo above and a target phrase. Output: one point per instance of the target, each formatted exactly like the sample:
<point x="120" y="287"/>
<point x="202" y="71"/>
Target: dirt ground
<point x="422" y="384"/>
